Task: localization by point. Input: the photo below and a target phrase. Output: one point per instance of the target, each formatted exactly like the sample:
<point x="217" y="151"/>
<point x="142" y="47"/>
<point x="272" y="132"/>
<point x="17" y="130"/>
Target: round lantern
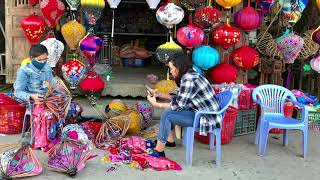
<point x="167" y="50"/>
<point x="245" y="57"/>
<point x="73" y="71"/>
<point x="205" y="57"/>
<point x="72" y="33"/>
<point x="33" y="27"/>
<point x="228" y="3"/>
<point x="315" y="63"/>
<point x="224" y="73"/>
<point x="73" y="4"/>
<point x="52" y="10"/>
<point x="170" y="15"/>
<point x="226" y="36"/>
<point x="290" y="45"/>
<point x="166" y="86"/>
<point x="190" y="36"/>
<point x="92" y="10"/>
<point x="33" y="2"/>
<point x="113" y="3"/>
<point x="91" y="47"/>
<point x="146" y="110"/>
<point x="191" y="5"/>
<point x="247" y="18"/>
<point x="135" y="122"/>
<point x="92" y="85"/>
<point x="206" y="17"/>
<point x="316" y="35"/>
<point x="153" y="3"/>
<point x="118" y="105"/>
<point x="55" y="49"/>
<point x="25" y="61"/>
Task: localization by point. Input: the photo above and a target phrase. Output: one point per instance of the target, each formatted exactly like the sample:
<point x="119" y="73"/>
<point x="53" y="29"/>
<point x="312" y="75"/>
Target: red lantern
<point x="207" y="16"/>
<point x="247" y="18"/>
<point x="92" y="83"/>
<point x="33" y="2"/>
<point x="226" y="36"/>
<point x="245" y="57"/>
<point x="224" y="73"/>
<point x="190" y="36"/>
<point x="33" y="27"/>
<point x="52" y="10"/>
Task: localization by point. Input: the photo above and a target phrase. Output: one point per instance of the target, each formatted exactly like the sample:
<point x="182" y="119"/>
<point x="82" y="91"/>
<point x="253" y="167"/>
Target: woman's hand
<point x="152" y="100"/>
<point x="47" y="84"/>
<point x="38" y="98"/>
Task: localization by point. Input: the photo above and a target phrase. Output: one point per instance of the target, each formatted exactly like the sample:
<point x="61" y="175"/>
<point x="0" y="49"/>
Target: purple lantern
<point x="91" y="47"/>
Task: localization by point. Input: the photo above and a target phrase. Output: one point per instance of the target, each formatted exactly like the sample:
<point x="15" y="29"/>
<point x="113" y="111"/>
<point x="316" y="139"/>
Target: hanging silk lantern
<point x="228" y="4"/>
<point x="113" y="3"/>
<point x="315" y="63"/>
<point x="245" y="57"/>
<point x="248" y="18"/>
<point x="55" y="49"/>
<point x="33" y="27"/>
<point x="73" y="71"/>
<point x="52" y="10"/>
<point x="147" y="111"/>
<point x="316" y="35"/>
<point x="153" y="3"/>
<point x="92" y="85"/>
<point x="170" y="15"/>
<point x="91" y="47"/>
<point x="206" y="17"/>
<point x="223" y="73"/>
<point x="190" y="36"/>
<point x="205" y="57"/>
<point x="92" y="10"/>
<point x="72" y="33"/>
<point x="191" y="5"/>
<point x="265" y="5"/>
<point x="226" y="36"/>
<point x="33" y="2"/>
<point x="167" y="50"/>
<point x="290" y="46"/>
<point x="73" y="4"/>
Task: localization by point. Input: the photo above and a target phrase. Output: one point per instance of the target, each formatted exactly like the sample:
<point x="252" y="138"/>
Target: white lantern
<point x="153" y="3"/>
<point x="55" y="49"/>
<point x="113" y="3"/>
<point x="315" y="63"/>
<point x="170" y="15"/>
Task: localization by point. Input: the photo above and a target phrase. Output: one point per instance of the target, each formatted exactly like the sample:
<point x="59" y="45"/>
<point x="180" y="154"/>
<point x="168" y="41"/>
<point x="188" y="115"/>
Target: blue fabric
<point x="169" y="118"/>
<point x="30" y="80"/>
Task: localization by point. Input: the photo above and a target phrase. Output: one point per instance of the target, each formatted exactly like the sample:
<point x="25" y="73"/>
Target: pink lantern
<point x="290" y="46"/>
<point x="190" y="36"/>
<point x="315" y="63"/>
<point x="90" y="47"/>
<point x="316" y="35"/>
<point x="247" y="18"/>
<point x="52" y="10"/>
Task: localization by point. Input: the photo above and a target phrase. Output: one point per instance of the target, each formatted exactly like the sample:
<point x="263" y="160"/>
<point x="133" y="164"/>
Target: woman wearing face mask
<point x="33" y="80"/>
<point x="194" y="94"/>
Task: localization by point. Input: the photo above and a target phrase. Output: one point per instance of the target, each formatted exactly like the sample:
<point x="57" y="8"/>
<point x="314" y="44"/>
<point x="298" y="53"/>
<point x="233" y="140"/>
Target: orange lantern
<point x="228" y="3"/>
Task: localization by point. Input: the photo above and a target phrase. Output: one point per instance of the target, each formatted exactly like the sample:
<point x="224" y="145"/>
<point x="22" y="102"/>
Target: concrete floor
<point x="239" y="160"/>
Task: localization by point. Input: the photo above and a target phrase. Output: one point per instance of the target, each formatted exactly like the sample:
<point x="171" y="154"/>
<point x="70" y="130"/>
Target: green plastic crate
<point x="313" y="119"/>
<point x="246" y="122"/>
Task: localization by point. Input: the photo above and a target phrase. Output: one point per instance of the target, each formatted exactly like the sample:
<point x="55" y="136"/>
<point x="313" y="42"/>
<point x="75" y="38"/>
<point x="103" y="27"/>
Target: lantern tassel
<point x="112" y="31"/>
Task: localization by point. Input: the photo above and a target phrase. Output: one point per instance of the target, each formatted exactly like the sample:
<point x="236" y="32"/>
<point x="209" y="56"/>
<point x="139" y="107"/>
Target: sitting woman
<point x="194" y="94"/>
<point x="33" y="80"/>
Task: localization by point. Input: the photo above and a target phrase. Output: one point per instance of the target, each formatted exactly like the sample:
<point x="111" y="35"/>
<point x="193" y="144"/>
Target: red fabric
<point x="159" y="164"/>
<point x="207" y="16"/>
<point x="247" y="19"/>
<point x="226" y="36"/>
<point x="92" y="83"/>
<point x="52" y="10"/>
<point x="245" y="57"/>
<point x="224" y="73"/>
<point x="33" y="27"/>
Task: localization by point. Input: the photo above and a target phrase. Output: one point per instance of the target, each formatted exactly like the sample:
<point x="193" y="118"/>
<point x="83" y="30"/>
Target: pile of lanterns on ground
<point x="204" y="21"/>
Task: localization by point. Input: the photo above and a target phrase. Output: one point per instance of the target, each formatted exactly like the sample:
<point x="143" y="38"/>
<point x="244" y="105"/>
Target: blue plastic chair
<point x="271" y="99"/>
<point x="224" y="100"/>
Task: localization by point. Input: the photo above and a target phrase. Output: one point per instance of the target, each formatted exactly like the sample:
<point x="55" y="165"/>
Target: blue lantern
<point x="204" y="58"/>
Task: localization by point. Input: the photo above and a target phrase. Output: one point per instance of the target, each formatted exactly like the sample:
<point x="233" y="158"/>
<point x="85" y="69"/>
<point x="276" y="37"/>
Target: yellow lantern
<point x="117" y="104"/>
<point x="228" y="3"/>
<point x="135" y="121"/>
<point x="25" y="61"/>
<point x="166" y="86"/>
<point x="318" y="4"/>
<point x="72" y="33"/>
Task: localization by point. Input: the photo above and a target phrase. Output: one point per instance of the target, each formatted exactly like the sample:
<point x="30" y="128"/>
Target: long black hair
<point x="37" y="50"/>
<point x="183" y="63"/>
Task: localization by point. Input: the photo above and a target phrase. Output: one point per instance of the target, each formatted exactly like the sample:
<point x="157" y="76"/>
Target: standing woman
<point x="194" y="94"/>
